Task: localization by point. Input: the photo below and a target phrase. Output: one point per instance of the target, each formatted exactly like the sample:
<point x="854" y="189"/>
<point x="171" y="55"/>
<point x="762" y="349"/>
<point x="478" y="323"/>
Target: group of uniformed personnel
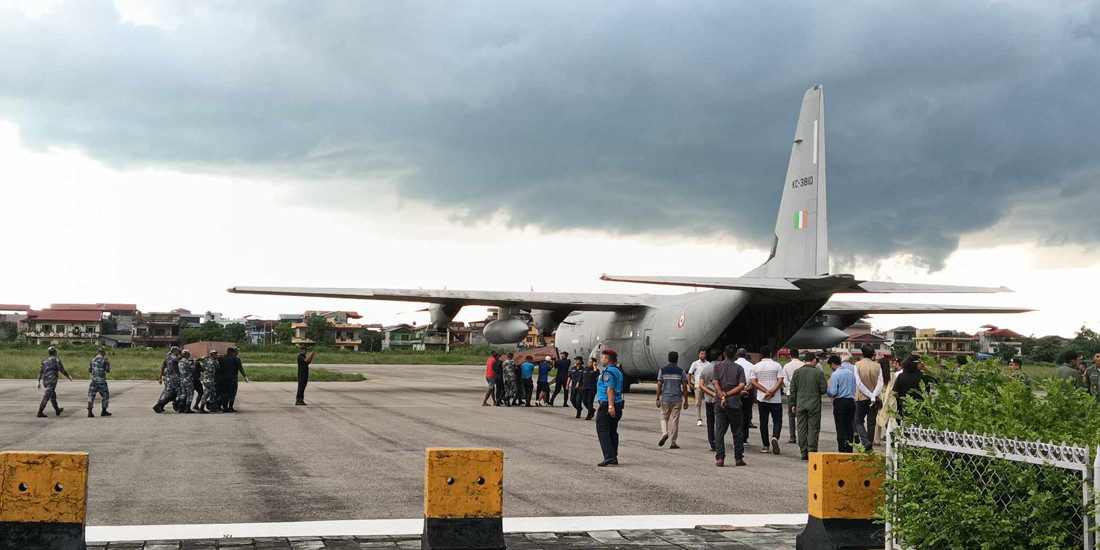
<point x="214" y="379"/>
<point x="219" y="382"/>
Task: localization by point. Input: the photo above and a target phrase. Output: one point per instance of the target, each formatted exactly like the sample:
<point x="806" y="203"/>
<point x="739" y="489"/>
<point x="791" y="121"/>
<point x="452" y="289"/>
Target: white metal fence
<point x="985" y="464"/>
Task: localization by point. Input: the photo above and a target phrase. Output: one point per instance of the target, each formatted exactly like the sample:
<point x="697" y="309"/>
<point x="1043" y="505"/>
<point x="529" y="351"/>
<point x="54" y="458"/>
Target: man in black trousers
<point x="303" y="374"/>
<point x="561" y="379"/>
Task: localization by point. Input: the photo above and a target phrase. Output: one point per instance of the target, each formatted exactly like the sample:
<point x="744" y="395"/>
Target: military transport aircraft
<point x="785" y="301"/>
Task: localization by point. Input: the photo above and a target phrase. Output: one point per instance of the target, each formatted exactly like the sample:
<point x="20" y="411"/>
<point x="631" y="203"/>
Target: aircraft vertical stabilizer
<point x="801" y="246"/>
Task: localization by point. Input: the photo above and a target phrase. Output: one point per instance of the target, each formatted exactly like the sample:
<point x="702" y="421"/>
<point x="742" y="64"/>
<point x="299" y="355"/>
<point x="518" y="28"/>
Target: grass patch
<point x="143" y="365"/>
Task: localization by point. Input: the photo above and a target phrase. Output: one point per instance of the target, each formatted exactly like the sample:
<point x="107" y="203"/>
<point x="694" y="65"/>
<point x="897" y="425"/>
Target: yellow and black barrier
<point x="844" y="492"/>
<point x="43" y="500"/>
<point x="463" y="499"/>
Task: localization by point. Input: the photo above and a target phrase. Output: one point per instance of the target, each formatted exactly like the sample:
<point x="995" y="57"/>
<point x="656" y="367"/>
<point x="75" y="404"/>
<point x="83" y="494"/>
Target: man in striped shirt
<point x="671" y="389"/>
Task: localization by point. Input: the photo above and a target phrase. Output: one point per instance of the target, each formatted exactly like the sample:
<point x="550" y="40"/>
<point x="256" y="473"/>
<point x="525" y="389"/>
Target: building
<point x="49" y="327"/>
<point x="536" y="340"/>
<point x="260" y="331"/>
<point x="13" y="319"/>
<point x="994" y="341"/>
<point x="941" y="344"/>
<point x="122" y="314"/>
<point x="190" y="320"/>
<point x="400" y="337"/>
<point x="856" y="342"/>
<point x="157" y="330"/>
<point x="901" y="336"/>
<point x="346" y="335"/>
<point x="1057" y="340"/>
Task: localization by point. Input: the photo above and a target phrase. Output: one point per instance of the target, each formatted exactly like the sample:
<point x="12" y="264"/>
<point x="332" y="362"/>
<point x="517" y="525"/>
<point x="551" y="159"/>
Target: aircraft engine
<point x="547" y="321"/>
<point x="819" y="337"/>
<point x="442" y="315"/>
<point x="506" y="331"/>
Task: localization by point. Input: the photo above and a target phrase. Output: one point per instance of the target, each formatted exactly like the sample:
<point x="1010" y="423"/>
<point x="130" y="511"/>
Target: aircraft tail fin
<point x="801" y="245"/>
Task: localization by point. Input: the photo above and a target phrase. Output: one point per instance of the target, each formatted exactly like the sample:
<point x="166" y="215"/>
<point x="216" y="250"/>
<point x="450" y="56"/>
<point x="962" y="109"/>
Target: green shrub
<point x="946" y="500"/>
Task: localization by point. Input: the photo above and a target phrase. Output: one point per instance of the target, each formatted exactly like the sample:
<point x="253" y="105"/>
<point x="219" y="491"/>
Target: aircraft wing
<point x="520" y="300"/>
<point x="881" y="287"/>
<point x="870" y="308"/>
<point x="730" y="283"/>
<point x="830" y="283"/>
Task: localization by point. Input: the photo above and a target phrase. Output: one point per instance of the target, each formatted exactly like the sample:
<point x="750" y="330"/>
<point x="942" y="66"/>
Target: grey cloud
<point x="663" y="117"/>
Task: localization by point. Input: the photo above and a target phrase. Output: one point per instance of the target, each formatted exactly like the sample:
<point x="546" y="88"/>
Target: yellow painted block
<point x="844" y="485"/>
<point x="39" y="487"/>
<point x="464" y="483"/>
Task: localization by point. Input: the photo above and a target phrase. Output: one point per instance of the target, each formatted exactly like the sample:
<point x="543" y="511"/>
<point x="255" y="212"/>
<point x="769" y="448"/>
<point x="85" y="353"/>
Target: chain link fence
<point x="944" y="487"/>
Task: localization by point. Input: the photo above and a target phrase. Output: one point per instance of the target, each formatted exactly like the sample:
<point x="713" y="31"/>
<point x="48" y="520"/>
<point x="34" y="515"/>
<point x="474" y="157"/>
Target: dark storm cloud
<point x="667" y="117"/>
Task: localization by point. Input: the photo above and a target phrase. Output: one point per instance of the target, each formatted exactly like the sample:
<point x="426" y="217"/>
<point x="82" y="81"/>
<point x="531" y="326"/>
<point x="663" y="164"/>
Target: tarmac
<point x="717" y="537"/>
<point x="357" y="451"/>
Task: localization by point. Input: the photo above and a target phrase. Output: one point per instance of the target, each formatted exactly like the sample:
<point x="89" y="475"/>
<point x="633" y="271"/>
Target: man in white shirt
<point x="706" y="381"/>
<point x="748" y="396"/>
<point x="768" y="377"/>
<point x="693" y="380"/>
<point x="789" y="369"/>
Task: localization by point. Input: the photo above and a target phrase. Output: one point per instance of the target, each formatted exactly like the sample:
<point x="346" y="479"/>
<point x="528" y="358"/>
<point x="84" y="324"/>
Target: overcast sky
<point x="159" y="153"/>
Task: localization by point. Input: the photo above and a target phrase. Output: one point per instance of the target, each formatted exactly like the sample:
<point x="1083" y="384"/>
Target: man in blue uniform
<point x="576" y="374"/>
<point x="609" y="395"/>
<point x="590" y="378"/>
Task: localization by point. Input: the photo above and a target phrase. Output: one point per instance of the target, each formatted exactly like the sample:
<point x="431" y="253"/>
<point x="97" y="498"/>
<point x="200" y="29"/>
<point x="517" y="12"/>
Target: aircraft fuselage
<point x="643" y="336"/>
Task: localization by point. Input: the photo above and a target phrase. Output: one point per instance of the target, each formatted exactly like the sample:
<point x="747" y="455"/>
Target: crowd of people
<point x="866" y="394"/>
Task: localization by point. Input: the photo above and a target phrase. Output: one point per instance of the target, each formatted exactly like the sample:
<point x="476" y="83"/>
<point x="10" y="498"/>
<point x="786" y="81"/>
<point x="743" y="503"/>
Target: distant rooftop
<point x="64" y="315"/>
<point x="95" y="307"/>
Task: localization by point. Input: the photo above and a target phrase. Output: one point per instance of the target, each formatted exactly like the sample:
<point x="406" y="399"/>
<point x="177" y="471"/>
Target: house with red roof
<point x="48" y="327"/>
<point x="994" y="340"/>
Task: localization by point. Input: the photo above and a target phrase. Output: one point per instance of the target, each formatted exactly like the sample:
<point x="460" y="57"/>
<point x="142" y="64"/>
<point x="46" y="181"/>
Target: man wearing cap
<point x="590" y="378"/>
<point x="209" y="399"/>
<point x="187" y="387"/>
<point x="47" y="376"/>
<point x="170" y="379"/>
<point x="609" y="395"/>
<point x="303" y="374"/>
<point x="99" y="368"/>
<point x="542" y="396"/>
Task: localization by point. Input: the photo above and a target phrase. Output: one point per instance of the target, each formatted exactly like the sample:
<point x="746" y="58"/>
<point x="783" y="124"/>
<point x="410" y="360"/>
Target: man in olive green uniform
<point x="1092" y="376"/>
<point x="807" y="386"/>
<point x="1069" y="370"/>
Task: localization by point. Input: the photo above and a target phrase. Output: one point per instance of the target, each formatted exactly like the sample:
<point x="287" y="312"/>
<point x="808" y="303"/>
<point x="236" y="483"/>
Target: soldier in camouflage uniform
<point x="209" y="382"/>
<point x="187" y="384"/>
<point x="99" y="368"/>
<point x="170" y="378"/>
<point x="47" y="376"/>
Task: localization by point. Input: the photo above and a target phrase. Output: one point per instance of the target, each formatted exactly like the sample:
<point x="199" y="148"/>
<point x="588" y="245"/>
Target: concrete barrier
<point x="43" y="500"/>
<point x="844" y="492"/>
<point x="463" y="499"/>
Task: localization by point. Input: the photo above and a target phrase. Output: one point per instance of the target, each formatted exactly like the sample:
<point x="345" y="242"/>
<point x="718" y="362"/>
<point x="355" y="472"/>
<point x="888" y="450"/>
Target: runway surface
<point x="357" y="452"/>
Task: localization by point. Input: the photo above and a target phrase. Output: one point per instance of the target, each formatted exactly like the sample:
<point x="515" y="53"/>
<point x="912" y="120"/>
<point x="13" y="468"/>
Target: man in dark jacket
<point x="561" y="379"/>
<point x="228" y="368"/>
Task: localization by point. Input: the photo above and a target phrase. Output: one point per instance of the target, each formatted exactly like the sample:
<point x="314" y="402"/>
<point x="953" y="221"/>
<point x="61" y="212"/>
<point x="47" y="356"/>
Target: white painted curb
<point x="416" y="526"/>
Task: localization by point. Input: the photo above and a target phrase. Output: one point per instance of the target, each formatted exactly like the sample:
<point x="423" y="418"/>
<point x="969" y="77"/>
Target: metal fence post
<point x="890" y="469"/>
<point x="1090" y="535"/>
